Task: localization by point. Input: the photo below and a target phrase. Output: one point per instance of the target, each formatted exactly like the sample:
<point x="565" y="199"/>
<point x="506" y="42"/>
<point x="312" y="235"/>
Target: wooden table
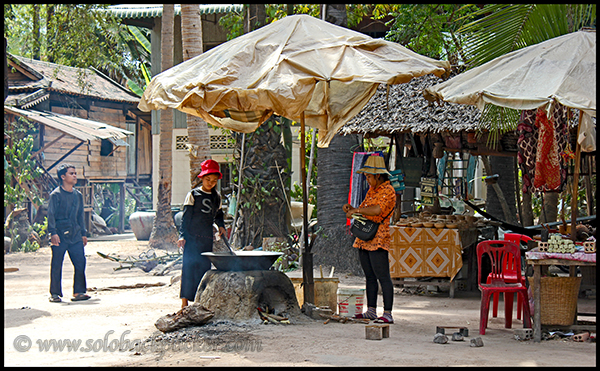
<point x="537" y="259"/>
<point x="426" y="252"/>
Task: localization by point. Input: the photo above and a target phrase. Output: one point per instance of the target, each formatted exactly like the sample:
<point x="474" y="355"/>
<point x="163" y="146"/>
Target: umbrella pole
<point x="576" y="181"/>
<point x="307" y="262"/>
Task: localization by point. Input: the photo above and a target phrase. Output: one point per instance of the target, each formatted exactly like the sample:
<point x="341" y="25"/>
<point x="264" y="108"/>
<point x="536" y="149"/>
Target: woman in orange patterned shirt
<point x="373" y="255"/>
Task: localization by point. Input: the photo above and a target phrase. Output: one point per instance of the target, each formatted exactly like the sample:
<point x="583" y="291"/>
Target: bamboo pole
<point x="575" y="192"/>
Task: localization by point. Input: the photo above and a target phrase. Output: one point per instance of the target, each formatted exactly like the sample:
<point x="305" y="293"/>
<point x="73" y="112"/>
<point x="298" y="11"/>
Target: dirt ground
<point x="108" y="325"/>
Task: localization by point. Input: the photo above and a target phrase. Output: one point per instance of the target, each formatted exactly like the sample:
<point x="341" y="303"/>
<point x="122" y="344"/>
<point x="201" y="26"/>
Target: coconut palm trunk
<point x="198" y="135"/>
<point x="164" y="233"/>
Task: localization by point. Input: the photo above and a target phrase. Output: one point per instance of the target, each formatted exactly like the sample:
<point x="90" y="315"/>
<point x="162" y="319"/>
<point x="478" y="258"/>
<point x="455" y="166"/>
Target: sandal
<point x="54" y="299"/>
<point x="80" y="297"/>
<point x="384" y="319"/>
<point x="362" y="316"/>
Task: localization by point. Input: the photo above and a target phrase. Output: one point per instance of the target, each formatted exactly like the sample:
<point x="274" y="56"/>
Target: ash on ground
<point x="218" y="333"/>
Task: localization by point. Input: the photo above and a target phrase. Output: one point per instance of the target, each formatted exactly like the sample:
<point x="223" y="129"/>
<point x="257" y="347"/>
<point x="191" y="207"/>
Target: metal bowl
<point x="243" y="260"/>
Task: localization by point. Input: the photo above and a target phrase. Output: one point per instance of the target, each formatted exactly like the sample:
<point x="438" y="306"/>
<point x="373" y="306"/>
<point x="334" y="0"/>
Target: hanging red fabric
<point x="547" y="162"/>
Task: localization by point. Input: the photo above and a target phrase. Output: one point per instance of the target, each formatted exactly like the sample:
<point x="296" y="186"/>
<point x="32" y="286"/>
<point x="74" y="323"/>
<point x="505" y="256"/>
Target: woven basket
<point x="558" y="299"/>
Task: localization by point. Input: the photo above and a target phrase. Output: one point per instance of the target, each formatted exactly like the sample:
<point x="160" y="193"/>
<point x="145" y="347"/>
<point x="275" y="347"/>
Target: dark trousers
<point x="376" y="266"/>
<point x="194" y="266"/>
<point x="76" y="253"/>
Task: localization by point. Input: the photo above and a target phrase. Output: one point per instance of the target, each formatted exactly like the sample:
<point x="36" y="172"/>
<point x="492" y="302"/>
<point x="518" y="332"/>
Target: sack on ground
<point x="192" y="315"/>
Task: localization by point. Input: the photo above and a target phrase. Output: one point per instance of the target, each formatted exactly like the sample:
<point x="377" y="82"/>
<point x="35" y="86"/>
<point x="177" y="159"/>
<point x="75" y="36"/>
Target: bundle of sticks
<point x="341" y="319"/>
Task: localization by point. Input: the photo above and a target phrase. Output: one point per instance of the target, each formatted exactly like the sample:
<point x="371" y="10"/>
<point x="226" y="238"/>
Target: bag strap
<point x="390" y="213"/>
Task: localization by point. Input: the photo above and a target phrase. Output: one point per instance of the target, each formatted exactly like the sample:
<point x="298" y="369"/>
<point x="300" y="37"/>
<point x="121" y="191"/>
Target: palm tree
<point x="164" y="233"/>
<point x="502" y="29"/>
<point x="198" y="136"/>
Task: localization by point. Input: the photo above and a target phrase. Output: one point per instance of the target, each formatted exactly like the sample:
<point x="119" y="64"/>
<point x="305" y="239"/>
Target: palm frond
<point x="505" y="28"/>
<point x="140" y="37"/>
<point x="497" y="120"/>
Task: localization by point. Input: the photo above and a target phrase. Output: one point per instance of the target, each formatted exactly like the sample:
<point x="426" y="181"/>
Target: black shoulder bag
<point x="365" y="229"/>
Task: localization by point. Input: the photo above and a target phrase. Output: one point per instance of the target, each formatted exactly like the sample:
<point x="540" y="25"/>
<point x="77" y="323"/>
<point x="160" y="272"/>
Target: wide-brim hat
<point x="375" y="165"/>
<point x="210" y="167"/>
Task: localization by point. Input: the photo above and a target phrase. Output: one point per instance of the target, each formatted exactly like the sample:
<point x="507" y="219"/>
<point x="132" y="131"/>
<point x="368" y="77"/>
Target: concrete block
<point x="523" y="334"/>
<point x="377" y="332"/>
<point x="442" y="330"/>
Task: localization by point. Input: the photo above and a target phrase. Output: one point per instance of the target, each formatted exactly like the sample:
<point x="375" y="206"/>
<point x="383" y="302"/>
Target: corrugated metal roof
<point x="136" y="11"/>
<point x="82" y="129"/>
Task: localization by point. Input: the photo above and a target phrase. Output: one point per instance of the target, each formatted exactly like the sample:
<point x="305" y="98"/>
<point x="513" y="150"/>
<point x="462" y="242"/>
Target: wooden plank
<point x="70" y="111"/>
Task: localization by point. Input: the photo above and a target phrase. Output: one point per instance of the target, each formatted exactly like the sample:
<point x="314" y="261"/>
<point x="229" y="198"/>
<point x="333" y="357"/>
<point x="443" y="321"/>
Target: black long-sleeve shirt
<point x="66" y="209"/>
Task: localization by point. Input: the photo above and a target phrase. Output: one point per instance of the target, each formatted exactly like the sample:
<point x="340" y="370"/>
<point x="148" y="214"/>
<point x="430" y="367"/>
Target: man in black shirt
<point x="67" y="233"/>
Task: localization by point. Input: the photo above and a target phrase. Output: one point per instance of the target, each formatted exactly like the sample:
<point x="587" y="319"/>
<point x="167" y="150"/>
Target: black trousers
<point x="77" y="255"/>
<point x="376" y="266"/>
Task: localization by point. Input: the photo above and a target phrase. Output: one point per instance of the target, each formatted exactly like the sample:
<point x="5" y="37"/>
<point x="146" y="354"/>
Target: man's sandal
<point x="80" y="297"/>
<point x="54" y="299"/>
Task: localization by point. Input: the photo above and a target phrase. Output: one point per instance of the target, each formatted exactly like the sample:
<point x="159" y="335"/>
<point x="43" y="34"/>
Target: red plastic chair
<point x="499" y="253"/>
<point x="510" y="274"/>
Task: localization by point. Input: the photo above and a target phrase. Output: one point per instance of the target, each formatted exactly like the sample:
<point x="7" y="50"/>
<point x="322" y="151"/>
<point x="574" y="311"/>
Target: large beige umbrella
<point x="297" y="65"/>
<point x="562" y="70"/>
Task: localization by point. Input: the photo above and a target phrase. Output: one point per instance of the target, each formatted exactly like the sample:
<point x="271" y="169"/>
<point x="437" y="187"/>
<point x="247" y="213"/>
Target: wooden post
<point x="121" y="207"/>
<point x="307" y="262"/>
<point x="576" y="181"/>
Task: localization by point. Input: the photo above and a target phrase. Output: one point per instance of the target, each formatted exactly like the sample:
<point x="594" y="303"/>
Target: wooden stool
<point x="377" y="332"/>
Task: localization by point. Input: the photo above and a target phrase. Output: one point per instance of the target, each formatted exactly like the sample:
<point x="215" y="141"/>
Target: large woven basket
<point x="558" y="299"/>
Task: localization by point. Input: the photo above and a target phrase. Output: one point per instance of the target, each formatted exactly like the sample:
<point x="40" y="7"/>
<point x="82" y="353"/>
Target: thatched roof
<point x="406" y="110"/>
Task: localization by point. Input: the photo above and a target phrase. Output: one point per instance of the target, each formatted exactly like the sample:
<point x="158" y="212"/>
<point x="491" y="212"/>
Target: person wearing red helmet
<point x="201" y="209"/>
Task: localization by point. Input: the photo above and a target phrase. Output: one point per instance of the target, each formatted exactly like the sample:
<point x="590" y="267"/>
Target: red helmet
<point x="210" y="167"/>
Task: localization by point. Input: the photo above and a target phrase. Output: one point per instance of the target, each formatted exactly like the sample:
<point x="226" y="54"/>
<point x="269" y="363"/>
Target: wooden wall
<point x="91" y="165"/>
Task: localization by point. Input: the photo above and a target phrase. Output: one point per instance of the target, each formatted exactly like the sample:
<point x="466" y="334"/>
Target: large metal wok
<point x="243" y="260"/>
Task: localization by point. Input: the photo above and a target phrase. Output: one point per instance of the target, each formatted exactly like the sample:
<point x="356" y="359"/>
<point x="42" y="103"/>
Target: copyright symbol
<point x="22" y="343"/>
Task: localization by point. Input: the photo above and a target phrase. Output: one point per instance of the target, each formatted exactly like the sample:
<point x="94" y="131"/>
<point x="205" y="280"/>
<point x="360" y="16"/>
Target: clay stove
<point x="236" y="295"/>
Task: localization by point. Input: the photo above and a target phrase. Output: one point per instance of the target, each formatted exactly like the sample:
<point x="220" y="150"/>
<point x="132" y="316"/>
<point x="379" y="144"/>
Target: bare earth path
<point x="105" y="328"/>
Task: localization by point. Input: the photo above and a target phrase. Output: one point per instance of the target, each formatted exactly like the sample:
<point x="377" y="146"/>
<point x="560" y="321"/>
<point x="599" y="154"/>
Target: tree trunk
<point x="527" y="210"/>
<point x="263" y="205"/>
<point x="164" y="233"/>
<point x="49" y="26"/>
<point x="504" y="167"/>
<point x="549" y="212"/>
<point x="255" y="17"/>
<point x="198" y="136"/>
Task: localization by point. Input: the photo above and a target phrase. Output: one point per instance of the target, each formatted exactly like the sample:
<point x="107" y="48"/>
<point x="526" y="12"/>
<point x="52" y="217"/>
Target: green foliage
<point x="42" y="229"/>
<point x="233" y="22"/>
<point x="20" y="167"/>
<point x="429" y="29"/>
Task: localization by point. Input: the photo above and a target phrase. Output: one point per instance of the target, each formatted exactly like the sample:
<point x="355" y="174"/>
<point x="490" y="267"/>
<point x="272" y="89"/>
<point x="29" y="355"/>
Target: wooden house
<point x="84" y="118"/>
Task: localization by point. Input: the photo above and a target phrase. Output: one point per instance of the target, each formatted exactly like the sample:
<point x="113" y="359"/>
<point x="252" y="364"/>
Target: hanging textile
<point x="547" y="166"/>
<point x="358" y="182"/>
<point x="544" y="149"/>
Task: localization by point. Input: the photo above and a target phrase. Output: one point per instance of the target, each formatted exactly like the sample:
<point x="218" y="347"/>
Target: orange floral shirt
<point x="385" y="197"/>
